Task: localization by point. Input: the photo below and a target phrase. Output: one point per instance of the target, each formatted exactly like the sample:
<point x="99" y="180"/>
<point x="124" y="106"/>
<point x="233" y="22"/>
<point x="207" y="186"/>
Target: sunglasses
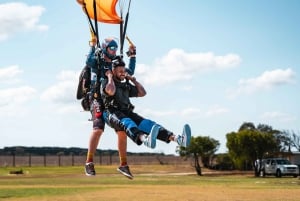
<point x="112" y="48"/>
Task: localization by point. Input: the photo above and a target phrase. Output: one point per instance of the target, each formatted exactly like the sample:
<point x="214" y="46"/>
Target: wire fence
<point x="75" y="160"/>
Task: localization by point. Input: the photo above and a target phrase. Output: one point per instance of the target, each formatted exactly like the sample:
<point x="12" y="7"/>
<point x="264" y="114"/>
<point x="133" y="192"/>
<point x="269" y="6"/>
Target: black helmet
<point x="118" y="61"/>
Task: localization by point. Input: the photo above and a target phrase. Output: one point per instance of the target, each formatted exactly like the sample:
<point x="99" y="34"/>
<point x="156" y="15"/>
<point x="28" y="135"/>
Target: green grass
<point x="70" y="183"/>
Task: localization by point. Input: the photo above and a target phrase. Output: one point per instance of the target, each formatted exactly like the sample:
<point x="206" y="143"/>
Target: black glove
<point x="131" y="51"/>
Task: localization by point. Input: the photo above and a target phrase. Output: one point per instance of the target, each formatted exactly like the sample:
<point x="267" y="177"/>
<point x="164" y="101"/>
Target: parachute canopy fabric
<point x="106" y="10"/>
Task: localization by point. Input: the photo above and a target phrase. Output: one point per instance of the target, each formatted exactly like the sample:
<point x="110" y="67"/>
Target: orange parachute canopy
<point x="106" y="10"/>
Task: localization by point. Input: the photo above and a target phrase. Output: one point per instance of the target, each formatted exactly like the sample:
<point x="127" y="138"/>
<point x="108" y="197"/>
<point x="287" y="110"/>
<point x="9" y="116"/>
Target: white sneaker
<point x="150" y="140"/>
<point x="184" y="140"/>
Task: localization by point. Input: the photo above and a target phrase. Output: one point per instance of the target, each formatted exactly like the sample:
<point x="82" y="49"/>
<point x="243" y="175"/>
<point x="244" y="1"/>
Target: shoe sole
<point x="125" y="174"/>
<point x="90" y="175"/>
<point x="153" y="134"/>
<point x="187" y="133"/>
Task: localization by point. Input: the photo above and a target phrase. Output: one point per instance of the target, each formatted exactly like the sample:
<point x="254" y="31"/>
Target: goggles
<point x="113" y="48"/>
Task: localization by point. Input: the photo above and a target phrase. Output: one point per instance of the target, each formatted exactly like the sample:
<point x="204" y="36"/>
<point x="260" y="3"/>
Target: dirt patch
<point x="180" y="193"/>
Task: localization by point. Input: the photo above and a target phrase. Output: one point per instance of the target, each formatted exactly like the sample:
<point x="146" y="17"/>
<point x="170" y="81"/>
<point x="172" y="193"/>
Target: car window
<point x="285" y="162"/>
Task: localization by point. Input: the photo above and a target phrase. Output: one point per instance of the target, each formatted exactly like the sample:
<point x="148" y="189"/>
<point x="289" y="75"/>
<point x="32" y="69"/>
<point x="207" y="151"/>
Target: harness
<point x="116" y="102"/>
<point x="101" y="67"/>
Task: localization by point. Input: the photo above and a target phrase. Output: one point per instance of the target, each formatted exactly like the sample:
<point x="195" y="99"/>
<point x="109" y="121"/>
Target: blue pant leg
<point x="132" y="130"/>
<point x="163" y="133"/>
<point x="146" y="125"/>
<point x="128" y="123"/>
<point x="105" y="117"/>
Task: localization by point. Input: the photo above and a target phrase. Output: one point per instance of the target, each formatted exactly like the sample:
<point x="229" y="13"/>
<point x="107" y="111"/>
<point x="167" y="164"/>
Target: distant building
<point x="294" y="157"/>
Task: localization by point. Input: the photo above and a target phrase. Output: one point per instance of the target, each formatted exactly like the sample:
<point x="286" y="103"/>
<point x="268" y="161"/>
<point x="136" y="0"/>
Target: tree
<point x="202" y="147"/>
<point x="250" y="143"/>
<point x="295" y="140"/>
<point x="292" y="140"/>
<point x="223" y="162"/>
<point x="247" y="126"/>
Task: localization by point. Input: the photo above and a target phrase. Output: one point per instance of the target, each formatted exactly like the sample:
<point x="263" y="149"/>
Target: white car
<point x="278" y="167"/>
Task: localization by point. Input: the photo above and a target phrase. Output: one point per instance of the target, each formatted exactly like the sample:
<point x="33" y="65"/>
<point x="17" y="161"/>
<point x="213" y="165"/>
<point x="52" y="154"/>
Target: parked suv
<point x="278" y="167"/>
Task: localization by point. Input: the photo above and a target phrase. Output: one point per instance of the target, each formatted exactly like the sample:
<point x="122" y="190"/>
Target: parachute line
<point x="89" y="19"/>
<point x="123" y="33"/>
<point x="105" y="11"/>
<point x="96" y="22"/>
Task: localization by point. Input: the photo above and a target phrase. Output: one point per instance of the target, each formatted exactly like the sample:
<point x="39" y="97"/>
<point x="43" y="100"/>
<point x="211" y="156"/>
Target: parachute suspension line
<point x="95" y="21"/>
<point x="89" y="19"/>
<point x="125" y="25"/>
<point x="123" y="29"/>
<point x="121" y="5"/>
<point x="121" y="35"/>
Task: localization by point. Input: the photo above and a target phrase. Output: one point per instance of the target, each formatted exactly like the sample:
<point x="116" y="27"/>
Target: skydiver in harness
<point x="116" y="91"/>
<point x="97" y="63"/>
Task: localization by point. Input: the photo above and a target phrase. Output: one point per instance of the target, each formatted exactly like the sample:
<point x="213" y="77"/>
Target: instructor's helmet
<point x="110" y="43"/>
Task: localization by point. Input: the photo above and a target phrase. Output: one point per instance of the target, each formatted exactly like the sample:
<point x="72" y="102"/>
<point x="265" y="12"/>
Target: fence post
<point x="100" y="157"/>
<point x="110" y="157"/>
<point x="72" y="159"/>
<point x="45" y="160"/>
<point x="59" y="160"/>
<point x="29" y="160"/>
<point x="14" y="159"/>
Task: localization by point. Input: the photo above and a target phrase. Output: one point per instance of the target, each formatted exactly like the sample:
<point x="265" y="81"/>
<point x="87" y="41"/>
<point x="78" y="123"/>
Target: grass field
<point x="155" y="182"/>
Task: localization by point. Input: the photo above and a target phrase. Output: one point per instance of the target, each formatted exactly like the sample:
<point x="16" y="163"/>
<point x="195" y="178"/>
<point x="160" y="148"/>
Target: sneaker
<point x="134" y="134"/>
<point x="89" y="169"/>
<point x="150" y="140"/>
<point x="184" y="140"/>
<point x="125" y="171"/>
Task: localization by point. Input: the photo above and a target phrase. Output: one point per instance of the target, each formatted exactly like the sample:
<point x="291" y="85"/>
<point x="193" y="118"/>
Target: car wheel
<point x="262" y="173"/>
<point x="278" y="173"/>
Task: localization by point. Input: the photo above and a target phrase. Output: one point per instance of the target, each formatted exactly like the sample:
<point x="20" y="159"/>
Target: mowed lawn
<point x="151" y="182"/>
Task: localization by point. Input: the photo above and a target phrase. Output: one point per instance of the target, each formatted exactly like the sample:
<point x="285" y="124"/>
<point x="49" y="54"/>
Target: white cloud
<point x="71" y="108"/>
<point x="16" y="95"/>
<point x="151" y="112"/>
<point x="280" y="116"/>
<point x="67" y="75"/>
<point x="190" y="112"/>
<point x="64" y="91"/>
<point x="267" y="80"/>
<point x="178" y="65"/>
<point x="19" y="17"/>
<point x="12" y="100"/>
<point x="216" y="110"/>
<point x="186" y="112"/>
<point x="9" y="74"/>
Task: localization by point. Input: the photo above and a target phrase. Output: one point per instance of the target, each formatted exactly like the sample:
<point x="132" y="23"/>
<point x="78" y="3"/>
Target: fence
<point x="74" y="160"/>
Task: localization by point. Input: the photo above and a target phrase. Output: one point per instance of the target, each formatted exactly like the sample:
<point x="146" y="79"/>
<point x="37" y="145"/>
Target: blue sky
<point x="213" y="64"/>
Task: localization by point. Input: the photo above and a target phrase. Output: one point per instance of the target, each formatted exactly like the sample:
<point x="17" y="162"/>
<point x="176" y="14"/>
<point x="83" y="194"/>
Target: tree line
<point x="246" y="145"/>
<point x="42" y="151"/>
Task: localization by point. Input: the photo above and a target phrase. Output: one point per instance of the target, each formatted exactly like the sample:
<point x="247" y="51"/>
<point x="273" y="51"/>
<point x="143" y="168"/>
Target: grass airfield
<point x="151" y="182"/>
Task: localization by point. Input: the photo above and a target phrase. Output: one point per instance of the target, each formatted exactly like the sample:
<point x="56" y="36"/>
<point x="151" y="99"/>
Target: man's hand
<point x="93" y="41"/>
<point x="131" y="51"/>
<point x="129" y="77"/>
<point x="109" y="74"/>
